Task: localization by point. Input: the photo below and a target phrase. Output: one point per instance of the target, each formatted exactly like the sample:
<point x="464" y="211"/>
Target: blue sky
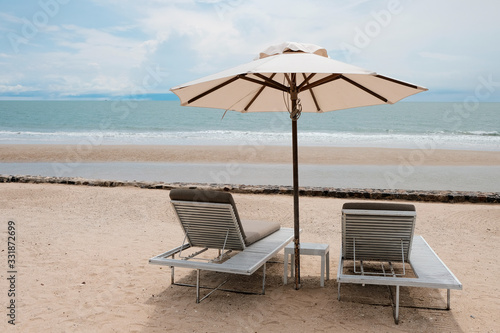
<point x="64" y="49"/>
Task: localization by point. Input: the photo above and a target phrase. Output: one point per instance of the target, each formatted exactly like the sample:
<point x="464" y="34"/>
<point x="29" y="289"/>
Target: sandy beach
<point x="83" y="266"/>
<point x="245" y="154"/>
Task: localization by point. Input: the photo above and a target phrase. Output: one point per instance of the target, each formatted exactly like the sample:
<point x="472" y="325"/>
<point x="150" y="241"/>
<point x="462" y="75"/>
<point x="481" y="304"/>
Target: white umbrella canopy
<point x="297" y="78"/>
<point x="323" y="84"/>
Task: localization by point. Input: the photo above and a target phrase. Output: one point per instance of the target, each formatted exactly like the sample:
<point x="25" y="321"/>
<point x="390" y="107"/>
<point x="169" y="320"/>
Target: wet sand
<point x="246" y="154"/>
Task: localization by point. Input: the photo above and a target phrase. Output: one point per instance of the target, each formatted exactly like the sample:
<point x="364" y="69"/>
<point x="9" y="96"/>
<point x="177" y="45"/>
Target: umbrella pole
<point x="295" y="116"/>
<point x="296" y="203"/>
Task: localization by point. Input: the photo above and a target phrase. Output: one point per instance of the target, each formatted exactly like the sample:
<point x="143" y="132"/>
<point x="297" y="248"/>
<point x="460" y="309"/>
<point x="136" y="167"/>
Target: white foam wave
<point x="229" y="137"/>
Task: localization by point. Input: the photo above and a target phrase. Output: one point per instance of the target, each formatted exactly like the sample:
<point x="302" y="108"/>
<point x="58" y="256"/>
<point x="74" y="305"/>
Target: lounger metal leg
<point x="328" y="266"/>
<point x="197" y="286"/>
<point x="322" y="279"/>
<point x="396" y="309"/>
<point x="448" y="299"/>
<point x="264" y="280"/>
<point x="340" y="270"/>
<point x="172" y="273"/>
<point x="362" y="269"/>
<point x="213" y="290"/>
<point x="285" y="269"/>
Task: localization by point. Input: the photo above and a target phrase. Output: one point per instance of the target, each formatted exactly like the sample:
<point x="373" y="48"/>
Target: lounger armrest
<point x="172" y="252"/>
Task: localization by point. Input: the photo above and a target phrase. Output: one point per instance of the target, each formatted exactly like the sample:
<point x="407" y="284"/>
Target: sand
<point x="82" y="266"/>
<point x="426" y="155"/>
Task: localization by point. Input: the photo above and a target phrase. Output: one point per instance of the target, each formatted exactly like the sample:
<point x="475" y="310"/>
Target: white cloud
<point x="87" y="61"/>
<point x="13" y="89"/>
<point x="8" y="18"/>
<point x="444" y="43"/>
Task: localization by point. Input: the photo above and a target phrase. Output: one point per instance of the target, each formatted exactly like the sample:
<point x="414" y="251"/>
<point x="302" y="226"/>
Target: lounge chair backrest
<point x="209" y="218"/>
<point x="377" y="231"/>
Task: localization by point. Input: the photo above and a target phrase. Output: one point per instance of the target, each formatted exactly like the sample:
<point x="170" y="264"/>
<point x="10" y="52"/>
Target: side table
<point x="312" y="249"/>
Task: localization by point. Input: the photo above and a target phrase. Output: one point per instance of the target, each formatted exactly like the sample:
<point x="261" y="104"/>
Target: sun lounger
<point x="210" y="220"/>
<point x="383" y="232"/>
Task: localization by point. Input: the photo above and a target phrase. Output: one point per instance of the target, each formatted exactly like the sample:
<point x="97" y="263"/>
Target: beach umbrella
<point x="295" y="78"/>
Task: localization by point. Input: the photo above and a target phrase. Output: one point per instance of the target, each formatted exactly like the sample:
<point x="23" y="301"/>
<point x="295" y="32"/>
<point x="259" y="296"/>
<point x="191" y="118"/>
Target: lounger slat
<point x="378" y="235"/>
<point x="211" y="225"/>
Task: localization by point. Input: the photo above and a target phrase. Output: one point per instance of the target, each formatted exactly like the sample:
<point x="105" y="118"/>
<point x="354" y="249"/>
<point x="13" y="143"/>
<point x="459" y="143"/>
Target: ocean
<point x="458" y="126"/>
<point x="402" y="125"/>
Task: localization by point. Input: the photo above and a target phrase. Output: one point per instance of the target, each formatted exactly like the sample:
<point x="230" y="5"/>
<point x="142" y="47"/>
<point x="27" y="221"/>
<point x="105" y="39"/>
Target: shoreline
<point x="25" y="153"/>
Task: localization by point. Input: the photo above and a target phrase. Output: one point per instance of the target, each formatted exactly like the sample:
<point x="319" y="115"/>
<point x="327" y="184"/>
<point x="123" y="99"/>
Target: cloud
<point x="82" y="60"/>
<point x="13" y="89"/>
<point x="81" y="51"/>
<point x="8" y="18"/>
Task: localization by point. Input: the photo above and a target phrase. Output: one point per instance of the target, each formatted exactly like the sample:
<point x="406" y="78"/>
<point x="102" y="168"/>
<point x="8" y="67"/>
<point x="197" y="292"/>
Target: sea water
<point x="402" y="125"/>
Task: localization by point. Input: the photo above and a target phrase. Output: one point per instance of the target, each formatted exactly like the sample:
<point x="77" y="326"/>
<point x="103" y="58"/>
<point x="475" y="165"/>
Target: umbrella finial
<point x="289" y="47"/>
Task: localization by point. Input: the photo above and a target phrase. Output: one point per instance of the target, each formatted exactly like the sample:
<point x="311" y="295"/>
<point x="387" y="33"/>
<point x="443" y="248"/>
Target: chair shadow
<point x="425" y="305"/>
<point x="175" y="308"/>
<point x="185" y="282"/>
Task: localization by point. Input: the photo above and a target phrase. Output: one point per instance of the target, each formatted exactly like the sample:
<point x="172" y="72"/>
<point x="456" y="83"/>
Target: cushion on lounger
<point x="256" y="230"/>
<point x="378" y="206"/>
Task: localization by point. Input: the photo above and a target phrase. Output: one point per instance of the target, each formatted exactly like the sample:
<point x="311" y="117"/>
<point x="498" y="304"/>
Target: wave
<point x="454" y="140"/>
<point x="480" y="133"/>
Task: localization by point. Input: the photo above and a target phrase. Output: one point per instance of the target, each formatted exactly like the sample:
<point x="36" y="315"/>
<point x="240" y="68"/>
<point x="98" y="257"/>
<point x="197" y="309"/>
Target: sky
<point x="111" y="49"/>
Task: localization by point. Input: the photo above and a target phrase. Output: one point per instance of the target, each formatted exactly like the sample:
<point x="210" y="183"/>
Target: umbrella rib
<point x="324" y="80"/>
<point x="310" y="90"/>
<point x="257" y="94"/>
<point x="288" y="79"/>
<point x="354" y="83"/>
<point x="211" y="90"/>
<point x="269" y="82"/>
<point x="306" y="80"/>
<point x="399" y="82"/>
<point x="263" y="83"/>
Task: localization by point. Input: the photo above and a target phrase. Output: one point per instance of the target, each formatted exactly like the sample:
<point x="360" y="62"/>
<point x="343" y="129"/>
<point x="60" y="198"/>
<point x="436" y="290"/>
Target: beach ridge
<point x="345" y="193"/>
